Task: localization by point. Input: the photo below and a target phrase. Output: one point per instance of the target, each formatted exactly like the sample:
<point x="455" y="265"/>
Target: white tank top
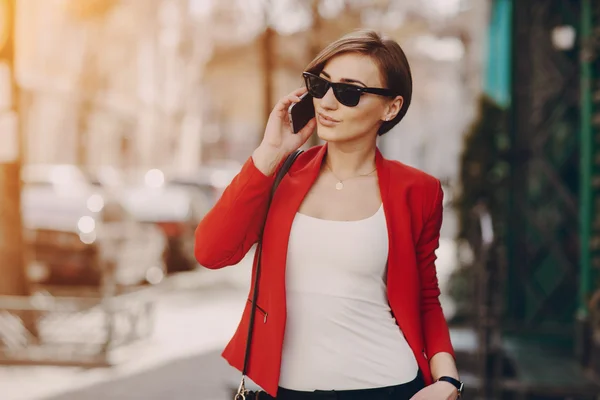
<point x="340" y="333"/>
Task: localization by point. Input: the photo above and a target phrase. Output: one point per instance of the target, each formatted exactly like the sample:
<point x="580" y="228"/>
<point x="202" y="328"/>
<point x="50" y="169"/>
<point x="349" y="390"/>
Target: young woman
<point x="348" y="303"/>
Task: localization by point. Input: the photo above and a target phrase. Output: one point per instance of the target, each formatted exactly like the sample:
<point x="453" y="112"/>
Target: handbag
<point x="242" y="393"/>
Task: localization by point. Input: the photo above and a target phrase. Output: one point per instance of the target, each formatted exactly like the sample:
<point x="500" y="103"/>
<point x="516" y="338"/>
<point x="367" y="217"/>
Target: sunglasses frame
<point x="360" y="89"/>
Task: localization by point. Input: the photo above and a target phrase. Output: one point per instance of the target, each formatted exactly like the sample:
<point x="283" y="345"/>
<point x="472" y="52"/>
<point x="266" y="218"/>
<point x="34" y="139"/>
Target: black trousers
<point x="398" y="392"/>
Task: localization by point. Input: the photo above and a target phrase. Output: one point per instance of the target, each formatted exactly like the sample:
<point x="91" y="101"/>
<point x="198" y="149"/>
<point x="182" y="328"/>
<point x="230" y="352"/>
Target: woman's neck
<point x="346" y="160"/>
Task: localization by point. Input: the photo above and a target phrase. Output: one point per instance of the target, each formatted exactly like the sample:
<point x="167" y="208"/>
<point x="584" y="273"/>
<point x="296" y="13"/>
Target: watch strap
<point x="454" y="382"/>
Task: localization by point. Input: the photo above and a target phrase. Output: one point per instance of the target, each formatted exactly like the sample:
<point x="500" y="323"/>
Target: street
<point x="204" y="376"/>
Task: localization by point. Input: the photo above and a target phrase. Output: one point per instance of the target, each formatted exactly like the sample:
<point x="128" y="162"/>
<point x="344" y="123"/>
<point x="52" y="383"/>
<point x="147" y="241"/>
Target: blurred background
<point x="122" y="121"/>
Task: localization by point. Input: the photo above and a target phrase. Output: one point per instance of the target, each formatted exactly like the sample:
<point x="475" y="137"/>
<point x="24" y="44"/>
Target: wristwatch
<point x="454" y="382"/>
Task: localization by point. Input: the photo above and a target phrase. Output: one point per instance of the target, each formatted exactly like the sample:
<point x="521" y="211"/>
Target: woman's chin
<point x="330" y="134"/>
<point x="336" y="135"/>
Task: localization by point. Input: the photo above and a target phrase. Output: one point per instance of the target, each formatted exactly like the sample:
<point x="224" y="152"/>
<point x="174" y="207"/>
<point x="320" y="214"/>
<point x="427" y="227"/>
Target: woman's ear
<point x="393" y="108"/>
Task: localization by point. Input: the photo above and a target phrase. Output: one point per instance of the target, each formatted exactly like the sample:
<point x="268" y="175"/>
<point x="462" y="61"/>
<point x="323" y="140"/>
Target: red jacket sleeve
<point x="435" y="328"/>
<point x="233" y="225"/>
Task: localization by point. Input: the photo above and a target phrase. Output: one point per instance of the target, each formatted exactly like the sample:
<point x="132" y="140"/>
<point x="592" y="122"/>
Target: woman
<point x="348" y="303"/>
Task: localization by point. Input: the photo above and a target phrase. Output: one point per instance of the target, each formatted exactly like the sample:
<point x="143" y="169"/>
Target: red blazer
<point x="412" y="201"/>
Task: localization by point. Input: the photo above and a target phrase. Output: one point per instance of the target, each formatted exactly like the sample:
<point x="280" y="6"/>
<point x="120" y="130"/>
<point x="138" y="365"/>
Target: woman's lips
<point x="327" y="121"/>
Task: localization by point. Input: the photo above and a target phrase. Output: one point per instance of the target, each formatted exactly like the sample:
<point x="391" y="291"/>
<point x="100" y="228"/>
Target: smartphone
<point x="302" y="112"/>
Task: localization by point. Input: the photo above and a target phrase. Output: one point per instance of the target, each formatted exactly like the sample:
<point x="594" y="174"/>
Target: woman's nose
<point x="329" y="101"/>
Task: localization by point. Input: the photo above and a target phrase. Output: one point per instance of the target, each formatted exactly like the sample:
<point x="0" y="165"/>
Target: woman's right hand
<point x="279" y="140"/>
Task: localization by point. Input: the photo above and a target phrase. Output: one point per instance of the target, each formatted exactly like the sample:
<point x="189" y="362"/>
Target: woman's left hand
<point x="437" y="391"/>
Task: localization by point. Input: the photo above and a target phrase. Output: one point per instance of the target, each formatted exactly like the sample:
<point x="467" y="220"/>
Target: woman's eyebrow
<point x="347" y="80"/>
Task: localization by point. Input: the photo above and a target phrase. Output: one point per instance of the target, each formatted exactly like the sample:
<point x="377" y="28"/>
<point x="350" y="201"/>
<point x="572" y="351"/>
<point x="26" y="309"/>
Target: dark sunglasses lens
<point x="316" y="86"/>
<point x="348" y="95"/>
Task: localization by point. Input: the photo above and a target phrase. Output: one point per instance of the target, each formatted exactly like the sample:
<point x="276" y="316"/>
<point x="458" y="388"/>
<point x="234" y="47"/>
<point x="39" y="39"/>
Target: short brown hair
<point x="386" y="52"/>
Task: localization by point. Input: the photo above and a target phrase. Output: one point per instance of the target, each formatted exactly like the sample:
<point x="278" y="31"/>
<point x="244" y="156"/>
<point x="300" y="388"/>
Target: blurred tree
<point x="12" y="248"/>
<point x="93" y="13"/>
<point x="12" y="271"/>
<point x="484" y="165"/>
<point x="484" y="169"/>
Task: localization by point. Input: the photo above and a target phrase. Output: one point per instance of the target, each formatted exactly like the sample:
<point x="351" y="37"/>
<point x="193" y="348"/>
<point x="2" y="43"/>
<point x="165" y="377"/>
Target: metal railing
<point x="488" y="279"/>
<point x="78" y="331"/>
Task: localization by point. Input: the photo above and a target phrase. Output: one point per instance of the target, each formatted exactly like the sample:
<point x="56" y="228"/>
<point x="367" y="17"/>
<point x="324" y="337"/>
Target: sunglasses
<point x="346" y="93"/>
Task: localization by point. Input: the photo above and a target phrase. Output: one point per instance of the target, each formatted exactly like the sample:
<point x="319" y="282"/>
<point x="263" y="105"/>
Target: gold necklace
<point x="340" y="183"/>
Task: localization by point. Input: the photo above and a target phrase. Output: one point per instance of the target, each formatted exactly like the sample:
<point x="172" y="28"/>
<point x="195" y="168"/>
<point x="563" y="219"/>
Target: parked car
<point x="74" y="232"/>
<point x="208" y="181"/>
<point x="175" y="210"/>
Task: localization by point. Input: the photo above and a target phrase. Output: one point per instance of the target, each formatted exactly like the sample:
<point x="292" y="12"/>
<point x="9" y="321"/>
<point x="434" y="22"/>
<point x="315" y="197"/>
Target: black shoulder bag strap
<point x="241" y="394"/>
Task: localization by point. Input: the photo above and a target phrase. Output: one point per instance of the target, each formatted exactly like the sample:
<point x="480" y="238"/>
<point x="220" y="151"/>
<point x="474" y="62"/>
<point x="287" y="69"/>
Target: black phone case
<point x="302" y="112"/>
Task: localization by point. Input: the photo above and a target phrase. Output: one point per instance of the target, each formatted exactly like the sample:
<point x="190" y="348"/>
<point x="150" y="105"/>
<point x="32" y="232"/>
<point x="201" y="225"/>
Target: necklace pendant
<point x="339" y="185"/>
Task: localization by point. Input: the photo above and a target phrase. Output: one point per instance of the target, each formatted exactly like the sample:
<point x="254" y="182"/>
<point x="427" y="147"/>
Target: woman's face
<point x="339" y="123"/>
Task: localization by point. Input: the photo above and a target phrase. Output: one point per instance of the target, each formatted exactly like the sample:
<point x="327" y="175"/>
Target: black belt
<point x="398" y="392"/>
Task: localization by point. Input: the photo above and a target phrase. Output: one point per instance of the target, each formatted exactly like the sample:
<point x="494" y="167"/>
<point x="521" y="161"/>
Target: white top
<point x="340" y="333"/>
